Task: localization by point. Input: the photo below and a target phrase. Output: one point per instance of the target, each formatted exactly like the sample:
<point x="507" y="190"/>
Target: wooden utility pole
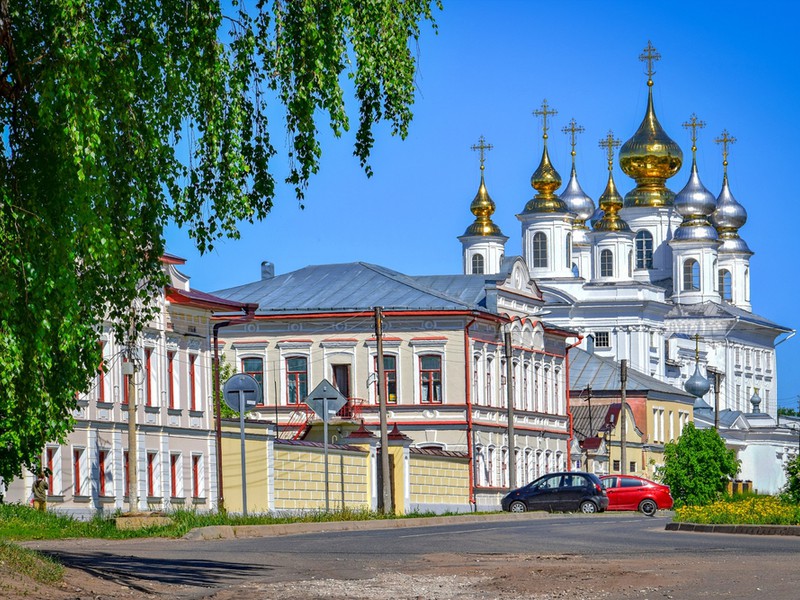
<point x="387" y="476"/>
<point x="512" y="456"/>
<point x="623" y="424"/>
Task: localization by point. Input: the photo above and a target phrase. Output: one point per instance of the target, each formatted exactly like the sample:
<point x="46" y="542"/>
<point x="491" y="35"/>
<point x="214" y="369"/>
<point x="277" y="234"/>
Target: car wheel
<point x="517" y="507"/>
<point x="587" y="506"/>
<point x="648" y="507"/>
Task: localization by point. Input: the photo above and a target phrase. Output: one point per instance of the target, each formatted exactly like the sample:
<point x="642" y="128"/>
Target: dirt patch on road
<point x="468" y="576"/>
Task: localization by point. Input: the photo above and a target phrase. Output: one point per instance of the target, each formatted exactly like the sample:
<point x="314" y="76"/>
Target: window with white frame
<point x="296" y="379"/>
<point x="602" y="339"/>
<point x="644" y="249"/>
<point x="546" y="390"/>
<point x="489" y="380"/>
<point x="105" y="482"/>
<point x="148" y="377"/>
<point x="606" y="263"/>
<point x="52" y="461"/>
<point x="490" y="467"/>
<point x="477" y="264"/>
<point x="198" y="477"/>
<point x="476" y="385"/>
<point x="175" y="475"/>
<point x="539" y="250"/>
<point x="152" y="474"/>
<point x="691" y="275"/>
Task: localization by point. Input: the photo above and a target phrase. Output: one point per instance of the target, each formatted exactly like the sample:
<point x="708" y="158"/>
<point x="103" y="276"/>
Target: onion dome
<point x="650" y="157"/>
<point x="574" y="197"/>
<point x="694" y="202"/>
<point x="483" y="206"/>
<point x="545" y="179"/>
<point x="729" y="216"/>
<point x="697" y="385"/>
<point x="610" y="201"/>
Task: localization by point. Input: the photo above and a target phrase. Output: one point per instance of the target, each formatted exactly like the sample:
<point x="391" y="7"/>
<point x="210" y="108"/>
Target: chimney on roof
<point x="267" y="270"/>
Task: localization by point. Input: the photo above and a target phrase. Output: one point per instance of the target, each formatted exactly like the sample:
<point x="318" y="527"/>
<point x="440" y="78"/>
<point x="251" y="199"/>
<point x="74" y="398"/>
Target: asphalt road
<point x="217" y="564"/>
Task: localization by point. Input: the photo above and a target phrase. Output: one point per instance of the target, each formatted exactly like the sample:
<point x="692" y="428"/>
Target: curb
<point x="740" y="529"/>
<point x="229" y="532"/>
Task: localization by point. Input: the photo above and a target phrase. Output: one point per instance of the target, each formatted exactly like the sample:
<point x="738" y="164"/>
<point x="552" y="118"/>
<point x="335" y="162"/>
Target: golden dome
<point x="610" y="201"/>
<point x="650" y="157"/>
<point x="545" y="179"/>
<point x="483" y="208"/>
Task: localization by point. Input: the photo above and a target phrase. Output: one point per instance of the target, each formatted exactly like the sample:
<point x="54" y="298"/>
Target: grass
<point x="30" y="563"/>
<point x="19" y="522"/>
<point x="744" y="509"/>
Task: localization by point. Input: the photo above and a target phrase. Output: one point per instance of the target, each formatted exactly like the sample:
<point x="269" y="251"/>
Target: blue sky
<point x="489" y="67"/>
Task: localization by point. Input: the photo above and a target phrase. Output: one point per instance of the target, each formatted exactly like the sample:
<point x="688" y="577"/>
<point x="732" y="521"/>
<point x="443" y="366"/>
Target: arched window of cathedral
<point x="568" y="251"/>
<point x="477" y="264"/>
<point x="691" y="275"/>
<point x="630" y="263"/>
<point x="644" y="249"/>
<point x="575" y="271"/>
<point x="539" y="250"/>
<point x="724" y="283"/>
<point x="747" y="285"/>
<point x="606" y="263"/>
<point x="714" y="270"/>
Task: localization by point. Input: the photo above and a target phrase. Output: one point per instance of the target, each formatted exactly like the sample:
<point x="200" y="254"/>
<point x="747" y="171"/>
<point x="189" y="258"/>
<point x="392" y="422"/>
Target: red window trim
<point x="195" y="476"/>
<point x="429" y="399"/>
<point x="101" y="471"/>
<point x="49" y="456"/>
<point x="151" y="458"/>
<point x="148" y="353"/>
<point x="76" y="472"/>
<point x="192" y="383"/>
<point x="296" y="375"/>
<point x="125" y="384"/>
<point x="170" y="379"/>
<point x="386" y="377"/>
<point x="173" y="474"/>
<point x="126" y="469"/>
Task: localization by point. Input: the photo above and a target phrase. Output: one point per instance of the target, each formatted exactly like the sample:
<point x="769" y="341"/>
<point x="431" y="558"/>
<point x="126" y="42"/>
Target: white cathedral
<point x="658" y="278"/>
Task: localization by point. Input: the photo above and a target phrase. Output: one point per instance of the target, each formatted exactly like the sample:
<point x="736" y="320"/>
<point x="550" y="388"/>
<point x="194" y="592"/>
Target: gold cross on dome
<point x="609" y="143"/>
<point x="572" y="129"/>
<point x="694" y="124"/>
<point x="482" y="146"/>
<point x="544" y="112"/>
<point x="650" y="56"/>
<point x="725" y="140"/>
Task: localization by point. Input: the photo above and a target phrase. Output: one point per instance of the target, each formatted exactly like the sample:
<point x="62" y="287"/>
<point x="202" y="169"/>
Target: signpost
<point x="241" y="393"/>
<point x="325" y="400"/>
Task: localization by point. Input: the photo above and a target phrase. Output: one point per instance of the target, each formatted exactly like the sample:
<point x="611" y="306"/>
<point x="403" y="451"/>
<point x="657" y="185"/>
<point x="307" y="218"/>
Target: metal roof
<point x="586" y="369"/>
<point x="715" y="310"/>
<point x="359" y="286"/>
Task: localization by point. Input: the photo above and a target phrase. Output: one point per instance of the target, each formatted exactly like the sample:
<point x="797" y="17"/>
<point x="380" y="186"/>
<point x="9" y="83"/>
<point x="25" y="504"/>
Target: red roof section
<point x="199" y="299"/>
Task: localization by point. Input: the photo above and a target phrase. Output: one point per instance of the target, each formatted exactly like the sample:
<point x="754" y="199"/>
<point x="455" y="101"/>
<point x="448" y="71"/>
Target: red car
<point x="626" y="492"/>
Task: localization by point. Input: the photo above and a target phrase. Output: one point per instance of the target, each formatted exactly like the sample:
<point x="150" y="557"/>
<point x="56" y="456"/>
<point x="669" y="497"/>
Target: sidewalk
<point x="228" y="532"/>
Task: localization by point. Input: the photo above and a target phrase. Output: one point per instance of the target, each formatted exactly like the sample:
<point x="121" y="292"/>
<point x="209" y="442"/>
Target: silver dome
<point x="694" y="200"/>
<point x="695" y="204"/>
<point x="729" y="215"/>
<point x="576" y="199"/>
<point x="697" y="385"/>
<point x="735" y="244"/>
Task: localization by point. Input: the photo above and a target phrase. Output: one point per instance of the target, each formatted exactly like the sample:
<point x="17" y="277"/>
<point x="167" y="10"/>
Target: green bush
<point x="791" y="491"/>
<point x="698" y="467"/>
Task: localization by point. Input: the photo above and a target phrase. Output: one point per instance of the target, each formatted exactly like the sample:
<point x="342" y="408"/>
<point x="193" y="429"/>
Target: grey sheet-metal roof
<point x="356" y="287"/>
<point x="715" y="310"/>
<point x="602" y="374"/>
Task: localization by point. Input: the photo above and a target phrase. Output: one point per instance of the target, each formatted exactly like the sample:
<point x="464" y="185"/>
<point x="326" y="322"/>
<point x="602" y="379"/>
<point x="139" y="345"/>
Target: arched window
<point x="539" y="250"/>
<point x="747" y="285"/>
<point x="606" y="263"/>
<point x="575" y="271"/>
<point x="644" y="249"/>
<point x="477" y="264"/>
<point x="568" y="251"/>
<point x="630" y="263"/>
<point x="725" y="290"/>
<point x="691" y="275"/>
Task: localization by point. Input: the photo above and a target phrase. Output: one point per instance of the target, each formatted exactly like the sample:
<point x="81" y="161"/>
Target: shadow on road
<point x="133" y="571"/>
